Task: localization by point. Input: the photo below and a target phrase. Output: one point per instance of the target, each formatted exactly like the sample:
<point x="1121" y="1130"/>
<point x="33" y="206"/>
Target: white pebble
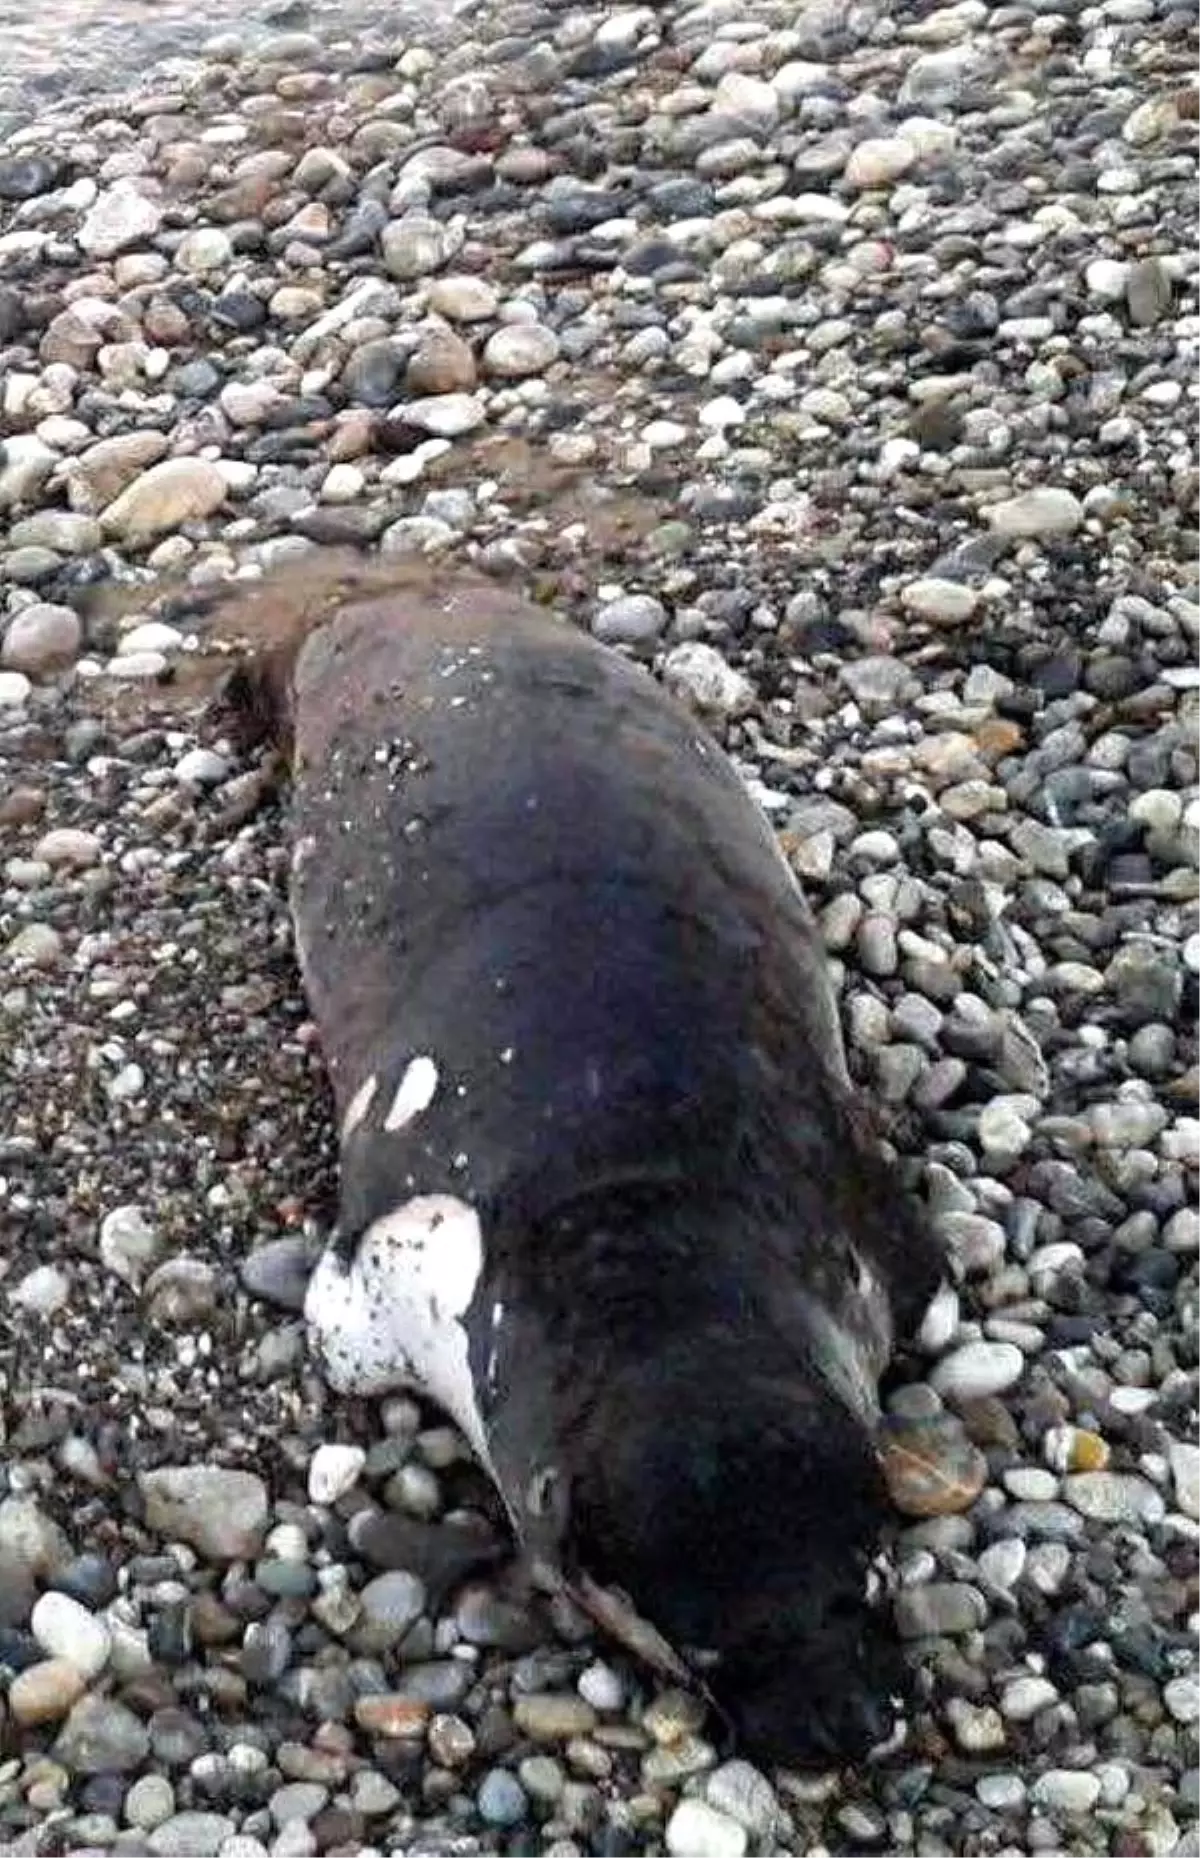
<point x="287" y="1542"/>
<point x="939" y="1325"/>
<point x="128" y="1244"/>
<point x="696" y="1830"/>
<point x="978" y="1369"/>
<point x="600" y="1686"/>
<point x="1026" y="1697"/>
<point x="333" y="1471"/>
<point x="41" y="1291"/>
<point x="201" y="767"/>
<point x="939" y="601"/>
<point x="65" y="1629"/>
<point x="343" y="483"/>
<point x="1182" y="1698"/>
<point x="1067" y="1790"/>
<point x="1003" y="1793"/>
<point x="152" y="635"/>
<point x="1001" y="1563"/>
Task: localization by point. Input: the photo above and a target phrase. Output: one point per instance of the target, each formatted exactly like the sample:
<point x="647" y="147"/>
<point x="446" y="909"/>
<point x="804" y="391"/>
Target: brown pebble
<point x="525" y="167"/>
<point x="998" y="736"/>
<point x="388" y="1715"/>
<point x="333" y="1738"/>
<point x="353" y="434"/>
<point x="22" y="806"/>
<point x="931" y="1466"/>
<point x="245" y="198"/>
<point x="552" y="1717"/>
<point x="441" y="364"/>
<point x="188" y="170"/>
<point x="45" y="1692"/>
<point x="338" y="1828"/>
<point x="989" y="1423"/>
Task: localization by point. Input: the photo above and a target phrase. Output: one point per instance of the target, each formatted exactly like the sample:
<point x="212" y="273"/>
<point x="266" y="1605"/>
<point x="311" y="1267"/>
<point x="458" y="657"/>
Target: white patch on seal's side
<point x="392" y="1317"/>
<point x="359" y="1104"/>
<point x="416" y="1091"/>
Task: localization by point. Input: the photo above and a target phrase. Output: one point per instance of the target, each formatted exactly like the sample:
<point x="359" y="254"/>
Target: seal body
<point x="605" y="1192"/>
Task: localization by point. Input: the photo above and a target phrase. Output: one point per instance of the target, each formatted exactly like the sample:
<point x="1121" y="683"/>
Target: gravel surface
<point x="841" y="362"/>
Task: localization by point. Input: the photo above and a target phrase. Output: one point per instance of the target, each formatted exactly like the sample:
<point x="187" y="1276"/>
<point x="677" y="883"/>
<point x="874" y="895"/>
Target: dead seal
<point x="607" y="1195"/>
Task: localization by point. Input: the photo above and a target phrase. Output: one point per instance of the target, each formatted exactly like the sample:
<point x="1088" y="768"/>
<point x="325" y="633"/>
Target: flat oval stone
<point x="930" y="1465"/>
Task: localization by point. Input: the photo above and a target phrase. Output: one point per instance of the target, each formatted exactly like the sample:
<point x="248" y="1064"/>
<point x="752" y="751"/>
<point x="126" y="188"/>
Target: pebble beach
<point x="838" y="361"/>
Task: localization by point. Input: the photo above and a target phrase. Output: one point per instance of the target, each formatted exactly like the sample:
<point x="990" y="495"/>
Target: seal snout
<point x="828" y="1694"/>
<point x="811" y="1670"/>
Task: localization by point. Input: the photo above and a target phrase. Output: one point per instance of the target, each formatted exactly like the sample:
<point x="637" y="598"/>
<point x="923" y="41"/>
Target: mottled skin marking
<point x="392" y="1315"/>
<point x="676" y="1263"/>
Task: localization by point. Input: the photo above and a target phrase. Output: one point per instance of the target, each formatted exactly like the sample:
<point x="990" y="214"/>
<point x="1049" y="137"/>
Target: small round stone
<point x="1182" y="1698"/>
<point x="519" y="350"/>
<point x="634" y="619"/>
<point x="977" y="1370"/>
<point x="1025" y="1698"/>
<point x="697" y="1830"/>
<point x="149" y="1802"/>
<point x="45" y="1692"/>
<point x="41" y="638"/>
<point x="66" y="1630"/>
<point x="1072" y="1791"/>
<point x="501" y="1799"/>
<point x="553" y="1718"/>
<point x="600" y="1686"/>
<point x="931" y="1466"/>
<point x="333" y="1470"/>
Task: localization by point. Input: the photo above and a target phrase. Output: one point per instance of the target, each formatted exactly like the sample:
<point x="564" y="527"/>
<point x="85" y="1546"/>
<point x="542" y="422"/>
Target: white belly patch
<point x="392" y="1316"/>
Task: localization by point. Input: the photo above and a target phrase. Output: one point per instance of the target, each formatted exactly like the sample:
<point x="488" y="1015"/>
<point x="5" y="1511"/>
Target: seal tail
<point x="263" y="626"/>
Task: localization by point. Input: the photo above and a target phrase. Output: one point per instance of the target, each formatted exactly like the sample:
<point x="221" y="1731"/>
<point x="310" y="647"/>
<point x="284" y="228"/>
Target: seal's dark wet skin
<point x="606" y="1191"/>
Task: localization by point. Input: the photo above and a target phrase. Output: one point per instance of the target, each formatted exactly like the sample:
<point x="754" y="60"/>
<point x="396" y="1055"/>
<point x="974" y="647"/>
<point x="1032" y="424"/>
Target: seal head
<point x="749" y="1533"/>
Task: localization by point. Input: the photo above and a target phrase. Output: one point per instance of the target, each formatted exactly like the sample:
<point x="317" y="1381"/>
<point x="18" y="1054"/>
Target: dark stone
<point x="90" y="1579"/>
<point x="240" y="310"/>
<point x="976" y="314"/>
<point x="196" y="380"/>
<point x="360" y="233"/>
<point x="601" y="60"/>
<point x="169" y="1634"/>
<point x="13" y="315"/>
<point x="371" y="376"/>
<point x="579" y="212"/>
<point x="104" y="1793"/>
<point x="279" y="1271"/>
<point x="18" y="1650"/>
<point x="304" y="410"/>
<point x="177" y="1738"/>
<point x="24" y="177"/>
<point x="681" y="198"/>
<point x="338" y="525"/>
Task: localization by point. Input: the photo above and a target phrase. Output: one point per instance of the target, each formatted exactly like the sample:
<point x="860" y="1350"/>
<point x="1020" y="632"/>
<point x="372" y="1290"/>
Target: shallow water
<point x="52" y="52"/>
